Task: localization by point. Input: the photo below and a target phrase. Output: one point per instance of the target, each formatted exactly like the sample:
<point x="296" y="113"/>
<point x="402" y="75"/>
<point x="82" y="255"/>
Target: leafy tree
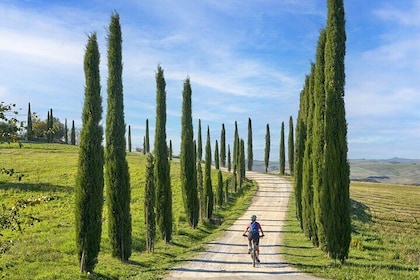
<point x="199" y="142"/>
<point x="250" y="148"/>
<point x="219" y="188"/>
<point x="162" y="168"/>
<point x="90" y="179"/>
<point x="116" y="168"/>
<point x="267" y="148"/>
<point x="149" y="204"/>
<point x="282" y="151"/>
<point x="216" y="155"/>
<point x="129" y="139"/>
<point x="208" y="189"/>
<point x="147" y="140"/>
<point x="223" y="146"/>
<point x="291" y="147"/>
<point x="336" y="183"/>
<point x="66" y="136"/>
<point x="73" y="134"/>
<point x="29" y="124"/>
<point x="187" y="159"/>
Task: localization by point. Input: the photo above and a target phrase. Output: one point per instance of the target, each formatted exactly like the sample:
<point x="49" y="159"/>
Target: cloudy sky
<point x="246" y="59"/>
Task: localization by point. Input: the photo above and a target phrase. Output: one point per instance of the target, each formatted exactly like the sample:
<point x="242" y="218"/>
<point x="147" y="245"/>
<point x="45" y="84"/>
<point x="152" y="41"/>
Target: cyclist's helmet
<point x="254" y="218"/>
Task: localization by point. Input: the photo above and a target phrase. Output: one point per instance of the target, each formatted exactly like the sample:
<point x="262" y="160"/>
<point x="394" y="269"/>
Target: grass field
<point x="46" y="247"/>
<point x="385" y="240"/>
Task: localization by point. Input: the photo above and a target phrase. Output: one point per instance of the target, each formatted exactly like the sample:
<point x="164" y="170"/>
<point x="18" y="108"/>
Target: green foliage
<point x="216" y="155"/>
<point x="228" y="159"/>
<point x="208" y="188"/>
<point x="282" y="155"/>
<point x="223" y="146"/>
<point x="250" y="148"/>
<point x="73" y="134"/>
<point x="29" y="124"/>
<point x="149" y="204"/>
<point x="291" y="147"/>
<point x="117" y="177"/>
<point x="129" y="139"/>
<point x="90" y="176"/>
<point x="267" y="148"/>
<point x="187" y="159"/>
<point x="162" y="168"/>
<point x="146" y="139"/>
<point x="199" y="142"/>
<point x="219" y="191"/>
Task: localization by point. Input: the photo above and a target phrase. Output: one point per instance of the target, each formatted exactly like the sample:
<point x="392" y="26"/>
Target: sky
<point x="245" y="59"/>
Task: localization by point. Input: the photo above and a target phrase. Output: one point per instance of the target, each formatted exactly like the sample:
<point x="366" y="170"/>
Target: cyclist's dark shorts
<point x="255" y="236"/>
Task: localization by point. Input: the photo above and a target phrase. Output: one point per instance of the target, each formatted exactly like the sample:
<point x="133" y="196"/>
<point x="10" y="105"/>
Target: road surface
<point x="227" y="257"/>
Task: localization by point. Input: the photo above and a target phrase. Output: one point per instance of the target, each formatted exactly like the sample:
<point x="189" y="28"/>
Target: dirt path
<point x="226" y="258"/>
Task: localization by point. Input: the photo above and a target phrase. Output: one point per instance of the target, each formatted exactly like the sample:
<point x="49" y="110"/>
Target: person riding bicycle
<point x="254" y="229"/>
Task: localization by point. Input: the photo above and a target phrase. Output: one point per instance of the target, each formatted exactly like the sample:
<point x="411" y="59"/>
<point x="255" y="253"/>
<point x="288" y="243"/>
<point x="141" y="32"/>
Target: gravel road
<point x="227" y="258"/>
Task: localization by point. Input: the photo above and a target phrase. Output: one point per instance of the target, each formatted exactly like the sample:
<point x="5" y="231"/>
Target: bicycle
<point x="253" y="251"/>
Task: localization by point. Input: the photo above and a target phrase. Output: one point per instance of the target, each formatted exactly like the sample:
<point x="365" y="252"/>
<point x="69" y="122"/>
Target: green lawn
<point x="46" y="247"/>
<point x="385" y="240"/>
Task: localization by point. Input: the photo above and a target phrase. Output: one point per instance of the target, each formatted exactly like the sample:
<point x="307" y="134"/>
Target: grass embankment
<point x="385" y="240"/>
<point x="46" y="248"/>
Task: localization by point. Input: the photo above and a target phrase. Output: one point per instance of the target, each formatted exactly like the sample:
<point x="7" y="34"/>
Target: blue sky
<point x="246" y="59"/>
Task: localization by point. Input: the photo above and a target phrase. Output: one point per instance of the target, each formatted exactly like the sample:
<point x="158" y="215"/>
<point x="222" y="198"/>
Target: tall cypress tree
<point x="187" y="159"/>
<point x="129" y="139"/>
<point x="90" y="179"/>
<point x="51" y="127"/>
<point x="282" y="151"/>
<point x="337" y="171"/>
<point x="291" y="147"/>
<point x="319" y="139"/>
<point x="228" y="159"/>
<point x="66" y="136"/>
<point x="73" y="134"/>
<point x="199" y="143"/>
<point x="149" y="204"/>
<point x="308" y="212"/>
<point x="29" y="124"/>
<point x="117" y="177"/>
<point x="219" y="198"/>
<point x="146" y="139"/>
<point x="216" y="155"/>
<point x="170" y="149"/>
<point x="250" y="148"/>
<point x="162" y="168"/>
<point x="48" y="128"/>
<point x="223" y="146"/>
<point x="267" y="148"/>
<point x="200" y="190"/>
<point x="208" y="189"/>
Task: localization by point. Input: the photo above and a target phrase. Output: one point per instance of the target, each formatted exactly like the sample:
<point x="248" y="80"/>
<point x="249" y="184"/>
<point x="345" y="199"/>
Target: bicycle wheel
<point x="254" y="253"/>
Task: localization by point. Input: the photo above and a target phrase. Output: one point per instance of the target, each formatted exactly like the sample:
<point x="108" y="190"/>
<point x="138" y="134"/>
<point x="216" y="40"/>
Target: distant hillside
<point x="393" y="171"/>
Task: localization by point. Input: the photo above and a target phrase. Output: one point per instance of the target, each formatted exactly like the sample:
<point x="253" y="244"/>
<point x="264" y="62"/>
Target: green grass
<point x="385" y="240"/>
<point x="46" y="248"/>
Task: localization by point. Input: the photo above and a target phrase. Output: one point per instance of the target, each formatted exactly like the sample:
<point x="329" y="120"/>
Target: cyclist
<point x="254" y="229"/>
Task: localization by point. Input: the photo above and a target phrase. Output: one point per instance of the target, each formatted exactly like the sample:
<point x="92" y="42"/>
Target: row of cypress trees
<point x="321" y="166"/>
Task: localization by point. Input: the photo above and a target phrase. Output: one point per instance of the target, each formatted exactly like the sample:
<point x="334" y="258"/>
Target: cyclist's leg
<point x="249" y="242"/>
<point x="257" y="244"/>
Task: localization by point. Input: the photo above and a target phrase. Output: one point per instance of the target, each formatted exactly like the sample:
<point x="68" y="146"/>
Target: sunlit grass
<point x="385" y="240"/>
<point x="47" y="250"/>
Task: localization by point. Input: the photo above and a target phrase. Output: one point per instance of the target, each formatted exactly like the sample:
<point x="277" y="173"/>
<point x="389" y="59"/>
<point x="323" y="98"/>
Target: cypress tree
<point x="308" y="211"/>
<point x="149" y="204"/>
<point x="146" y="139"/>
<point x="229" y="160"/>
<point x="29" y="124"/>
<point x="187" y="159"/>
<point x="282" y="151"/>
<point x="117" y="177"/>
<point x="235" y="148"/>
<point x="66" y="136"/>
<point x="319" y="139"/>
<point x="170" y="149"/>
<point x="223" y="146"/>
<point x="291" y="147"/>
<point x="219" y="188"/>
<point x="200" y="190"/>
<point x="336" y="182"/>
<point x="250" y="149"/>
<point x="241" y="163"/>
<point x="73" y="134"/>
<point x="208" y="189"/>
<point x="267" y="148"/>
<point x="48" y="128"/>
<point x="51" y="127"/>
<point x="129" y="139"/>
<point x="162" y="168"/>
<point x="89" y="179"/>
<point x="199" y="142"/>
<point x="216" y="155"/>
